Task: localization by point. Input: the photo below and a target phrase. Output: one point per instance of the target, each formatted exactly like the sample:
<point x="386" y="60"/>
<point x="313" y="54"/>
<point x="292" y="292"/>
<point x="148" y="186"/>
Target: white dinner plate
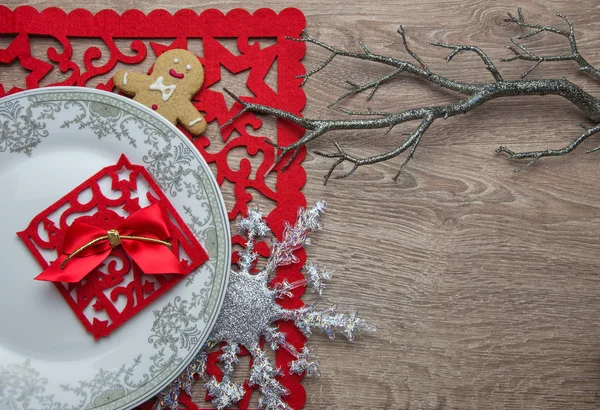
<point x="51" y="140"/>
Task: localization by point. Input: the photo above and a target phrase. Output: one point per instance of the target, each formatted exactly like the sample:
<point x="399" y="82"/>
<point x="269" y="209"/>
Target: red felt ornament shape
<point x="135" y="268"/>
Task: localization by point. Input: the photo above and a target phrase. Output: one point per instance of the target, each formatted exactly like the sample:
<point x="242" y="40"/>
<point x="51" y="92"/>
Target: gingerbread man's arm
<point x="191" y="119"/>
<point x="130" y="82"/>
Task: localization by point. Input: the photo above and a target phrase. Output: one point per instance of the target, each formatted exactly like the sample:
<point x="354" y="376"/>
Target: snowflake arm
<point x="295" y="237"/>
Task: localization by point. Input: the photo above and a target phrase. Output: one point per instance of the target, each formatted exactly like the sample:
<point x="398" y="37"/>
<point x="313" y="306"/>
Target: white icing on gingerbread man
<point x="197" y="120"/>
<point x="176" y="77"/>
<point x="166" y="90"/>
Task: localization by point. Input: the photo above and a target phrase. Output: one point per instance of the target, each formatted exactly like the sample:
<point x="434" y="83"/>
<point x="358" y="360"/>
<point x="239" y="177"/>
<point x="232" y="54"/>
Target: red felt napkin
<point x="116" y="198"/>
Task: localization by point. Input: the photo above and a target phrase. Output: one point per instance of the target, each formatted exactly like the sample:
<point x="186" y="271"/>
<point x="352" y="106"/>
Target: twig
<point x="535" y="155"/>
<point x="408" y="50"/>
<point x="527" y="55"/>
<point x="411" y="142"/>
<point x="357" y="89"/>
<point x="410" y="156"/>
<point x="457" y="49"/>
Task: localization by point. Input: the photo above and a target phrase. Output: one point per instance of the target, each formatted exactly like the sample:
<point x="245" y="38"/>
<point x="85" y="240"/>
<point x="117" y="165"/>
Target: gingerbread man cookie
<point x="176" y="78"/>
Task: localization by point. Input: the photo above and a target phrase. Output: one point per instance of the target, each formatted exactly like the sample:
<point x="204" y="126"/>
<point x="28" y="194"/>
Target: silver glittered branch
<point x="474" y="95"/>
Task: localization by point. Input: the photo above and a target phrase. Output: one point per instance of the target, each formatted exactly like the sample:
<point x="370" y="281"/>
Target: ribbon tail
<point x="153" y="258"/>
<point x="76" y="269"/>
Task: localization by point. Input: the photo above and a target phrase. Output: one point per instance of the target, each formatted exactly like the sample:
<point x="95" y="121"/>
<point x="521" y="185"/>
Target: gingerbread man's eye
<point x="176" y="60"/>
<point x="188" y="67"/>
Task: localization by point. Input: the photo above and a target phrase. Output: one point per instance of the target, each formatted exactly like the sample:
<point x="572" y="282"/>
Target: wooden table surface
<point x="483" y="283"/>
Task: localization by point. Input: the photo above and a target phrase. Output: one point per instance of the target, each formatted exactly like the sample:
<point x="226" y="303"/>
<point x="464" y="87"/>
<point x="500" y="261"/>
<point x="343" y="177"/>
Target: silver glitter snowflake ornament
<point x="250" y="312"/>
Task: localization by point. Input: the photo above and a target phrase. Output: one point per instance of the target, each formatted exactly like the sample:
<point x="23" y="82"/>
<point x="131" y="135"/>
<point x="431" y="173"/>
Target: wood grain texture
<point x="483" y="283"/>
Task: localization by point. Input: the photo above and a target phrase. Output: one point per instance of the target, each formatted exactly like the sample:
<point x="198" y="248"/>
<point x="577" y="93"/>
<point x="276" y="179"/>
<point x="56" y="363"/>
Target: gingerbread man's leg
<point x="131" y="82"/>
<point x="191" y="119"/>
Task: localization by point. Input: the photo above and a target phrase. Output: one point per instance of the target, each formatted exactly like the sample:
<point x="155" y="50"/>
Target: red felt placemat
<point x="133" y="37"/>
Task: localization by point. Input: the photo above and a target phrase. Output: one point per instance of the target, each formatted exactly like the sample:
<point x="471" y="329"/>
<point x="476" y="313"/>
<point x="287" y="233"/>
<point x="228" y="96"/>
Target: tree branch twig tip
<point x="235" y="97"/>
<point x="589" y="151"/>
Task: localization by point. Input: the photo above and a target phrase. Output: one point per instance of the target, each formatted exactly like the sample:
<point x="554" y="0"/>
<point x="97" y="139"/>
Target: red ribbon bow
<point x="152" y="257"/>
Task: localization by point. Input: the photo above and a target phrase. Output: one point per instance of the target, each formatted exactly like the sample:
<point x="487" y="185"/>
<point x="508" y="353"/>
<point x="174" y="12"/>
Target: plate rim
<point x="222" y="209"/>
